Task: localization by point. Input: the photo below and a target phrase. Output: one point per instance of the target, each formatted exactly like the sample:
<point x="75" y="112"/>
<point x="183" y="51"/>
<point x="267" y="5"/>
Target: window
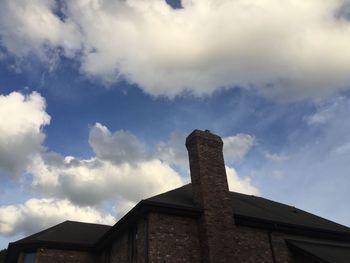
<point x="29" y="257"/>
<point x="133" y="243"/>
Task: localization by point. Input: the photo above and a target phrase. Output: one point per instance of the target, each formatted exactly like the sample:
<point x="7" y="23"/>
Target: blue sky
<point x="97" y="98"/>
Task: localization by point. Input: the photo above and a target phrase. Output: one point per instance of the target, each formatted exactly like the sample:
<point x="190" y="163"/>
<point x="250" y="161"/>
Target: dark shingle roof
<point x="70" y="233"/>
<point x="321" y="252"/>
<point x="257" y="208"/>
<point x="247" y="208"/>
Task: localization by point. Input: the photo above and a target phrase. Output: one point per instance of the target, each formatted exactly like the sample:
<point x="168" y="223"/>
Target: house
<point x="199" y="222"/>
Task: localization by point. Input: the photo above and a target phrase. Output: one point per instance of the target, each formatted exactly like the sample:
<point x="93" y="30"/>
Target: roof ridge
<point x="172" y="190"/>
<point x="87" y="223"/>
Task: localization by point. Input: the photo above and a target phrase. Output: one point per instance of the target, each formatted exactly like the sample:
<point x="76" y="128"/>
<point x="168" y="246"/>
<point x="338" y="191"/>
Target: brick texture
<point x="62" y="256"/>
<point x="211" y="193"/>
<point x="173" y="239"/>
<point x="120" y="249"/>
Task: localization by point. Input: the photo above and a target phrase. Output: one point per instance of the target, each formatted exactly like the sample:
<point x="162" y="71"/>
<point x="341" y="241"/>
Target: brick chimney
<point x="211" y="193"/>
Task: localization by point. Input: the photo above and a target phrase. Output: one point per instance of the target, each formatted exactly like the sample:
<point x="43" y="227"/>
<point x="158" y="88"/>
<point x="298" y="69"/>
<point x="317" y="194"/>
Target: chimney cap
<point x="203" y="135"/>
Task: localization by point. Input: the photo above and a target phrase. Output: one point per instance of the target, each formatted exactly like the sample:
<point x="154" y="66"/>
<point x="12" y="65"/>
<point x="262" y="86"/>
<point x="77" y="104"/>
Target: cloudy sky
<point x="98" y="96"/>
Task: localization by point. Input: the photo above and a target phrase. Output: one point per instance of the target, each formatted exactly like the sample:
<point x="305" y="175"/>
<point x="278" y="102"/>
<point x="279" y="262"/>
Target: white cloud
<point x="276" y="157"/>
<point x="119" y="147"/>
<point x="92" y="181"/>
<point x="22" y="119"/>
<point x="32" y="27"/>
<point x="121" y="169"/>
<point x="280" y="47"/>
<point x="237" y="146"/>
<point x="122" y="207"/>
<point x="123" y="174"/>
<point x="37" y="214"/>
<point x="75" y="188"/>
<point x="238" y="184"/>
<point x="174" y="150"/>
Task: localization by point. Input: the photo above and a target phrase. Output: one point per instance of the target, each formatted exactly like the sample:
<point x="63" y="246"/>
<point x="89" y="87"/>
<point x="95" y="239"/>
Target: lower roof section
<point x="320" y="251"/>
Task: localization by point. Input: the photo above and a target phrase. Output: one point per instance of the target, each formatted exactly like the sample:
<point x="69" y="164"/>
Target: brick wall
<point x="173" y="239"/>
<point x="120" y="249"/>
<point x="61" y="256"/>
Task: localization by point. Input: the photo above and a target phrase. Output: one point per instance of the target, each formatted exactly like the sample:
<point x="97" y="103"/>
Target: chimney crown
<point x="204" y="137"/>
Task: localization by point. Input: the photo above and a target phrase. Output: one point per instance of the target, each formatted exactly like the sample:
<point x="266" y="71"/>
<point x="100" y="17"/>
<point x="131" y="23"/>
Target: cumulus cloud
<point x="286" y="49"/>
<point x="237" y="146"/>
<point x="89" y="182"/>
<point x="238" y="184"/>
<point x="119" y="170"/>
<point x="22" y="120"/>
<point x="37" y="214"/>
<point x="174" y="151"/>
<point x="33" y="27"/>
<point x="115" y="173"/>
<point x="119" y="147"/>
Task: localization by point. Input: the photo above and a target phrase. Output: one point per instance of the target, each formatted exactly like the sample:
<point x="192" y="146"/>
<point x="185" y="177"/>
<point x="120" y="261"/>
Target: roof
<point x="69" y="233"/>
<point x="253" y="208"/>
<point x="321" y="251"/>
<point x="248" y="210"/>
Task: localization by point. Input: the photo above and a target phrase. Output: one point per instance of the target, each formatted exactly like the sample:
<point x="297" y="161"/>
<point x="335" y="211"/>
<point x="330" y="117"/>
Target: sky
<point x="98" y="96"/>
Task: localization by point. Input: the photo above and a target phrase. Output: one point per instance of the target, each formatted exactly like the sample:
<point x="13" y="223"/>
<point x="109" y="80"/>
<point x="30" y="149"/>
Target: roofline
<point x="291" y="228"/>
<point x="38" y="233"/>
<point x="146" y="206"/>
